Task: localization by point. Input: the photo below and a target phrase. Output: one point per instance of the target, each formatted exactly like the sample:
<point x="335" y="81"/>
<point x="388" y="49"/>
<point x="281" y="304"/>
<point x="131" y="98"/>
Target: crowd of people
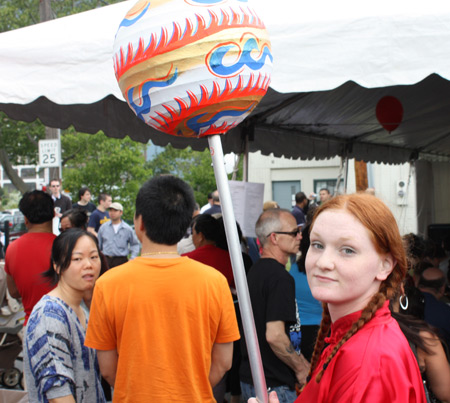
<point x="345" y="309"/>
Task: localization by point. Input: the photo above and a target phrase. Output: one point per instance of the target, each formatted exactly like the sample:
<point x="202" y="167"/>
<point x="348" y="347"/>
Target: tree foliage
<point x="20" y="139"/>
<point x="21" y="13"/>
<point x="114" y="166"/>
<point x="194" y="167"/>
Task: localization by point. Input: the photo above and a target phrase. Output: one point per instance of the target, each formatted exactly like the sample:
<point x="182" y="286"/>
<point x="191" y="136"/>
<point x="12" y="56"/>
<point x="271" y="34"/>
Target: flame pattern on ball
<point x="192" y="68"/>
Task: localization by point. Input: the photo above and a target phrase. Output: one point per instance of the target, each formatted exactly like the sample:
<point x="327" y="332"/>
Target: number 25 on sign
<point x="49" y="154"/>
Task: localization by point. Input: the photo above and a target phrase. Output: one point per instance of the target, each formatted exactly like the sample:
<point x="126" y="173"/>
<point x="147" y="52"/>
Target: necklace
<point x="159" y="253"/>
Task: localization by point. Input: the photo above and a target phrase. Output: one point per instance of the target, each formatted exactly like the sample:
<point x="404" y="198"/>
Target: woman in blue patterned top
<point x="58" y="367"/>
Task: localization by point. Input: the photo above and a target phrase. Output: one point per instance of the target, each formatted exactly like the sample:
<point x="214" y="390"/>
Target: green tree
<point x="21" y="13"/>
<point x="106" y="165"/>
<point x="195" y="167"/>
<point x="19" y="140"/>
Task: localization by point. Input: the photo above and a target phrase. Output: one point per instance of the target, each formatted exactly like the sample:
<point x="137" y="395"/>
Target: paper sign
<point x="247" y="204"/>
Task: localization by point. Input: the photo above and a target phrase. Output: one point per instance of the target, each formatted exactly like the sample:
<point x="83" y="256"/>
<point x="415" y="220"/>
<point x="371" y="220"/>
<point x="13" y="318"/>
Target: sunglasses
<point x="292" y="233"/>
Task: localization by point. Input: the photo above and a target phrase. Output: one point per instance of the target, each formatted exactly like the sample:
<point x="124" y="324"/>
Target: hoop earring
<point x="404" y="307"/>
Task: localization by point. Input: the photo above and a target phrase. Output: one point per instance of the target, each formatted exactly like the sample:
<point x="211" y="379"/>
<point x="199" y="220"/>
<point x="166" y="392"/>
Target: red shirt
<point x="374" y="365"/>
<point x="214" y="257"/>
<point x="26" y="259"/>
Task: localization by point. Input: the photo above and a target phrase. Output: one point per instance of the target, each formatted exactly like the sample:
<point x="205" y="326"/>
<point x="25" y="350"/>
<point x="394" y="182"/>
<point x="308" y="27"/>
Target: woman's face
<point x="84" y="267"/>
<point x="343" y="267"/>
<point x="65" y="224"/>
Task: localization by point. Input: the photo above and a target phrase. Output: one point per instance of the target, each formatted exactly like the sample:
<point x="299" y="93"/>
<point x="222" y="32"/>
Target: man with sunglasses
<point x="62" y="203"/>
<point x="272" y="293"/>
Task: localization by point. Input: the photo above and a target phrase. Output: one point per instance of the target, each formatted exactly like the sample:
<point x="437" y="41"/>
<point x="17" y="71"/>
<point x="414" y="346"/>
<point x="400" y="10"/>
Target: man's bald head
<point x="432" y="279"/>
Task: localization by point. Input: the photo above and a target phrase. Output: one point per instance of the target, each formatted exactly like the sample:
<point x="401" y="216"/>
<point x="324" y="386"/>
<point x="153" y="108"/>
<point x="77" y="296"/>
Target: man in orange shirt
<point x="163" y="325"/>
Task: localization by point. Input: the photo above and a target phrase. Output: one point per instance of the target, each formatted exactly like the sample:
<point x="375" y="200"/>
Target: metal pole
<point x="46" y="14"/>
<point x="6" y="233"/>
<point x="245" y="167"/>
<point x="346" y="174"/>
<point x="248" y="323"/>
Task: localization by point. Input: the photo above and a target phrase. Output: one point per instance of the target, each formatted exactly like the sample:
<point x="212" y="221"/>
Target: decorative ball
<point x="192" y="68"/>
<point x="389" y="112"/>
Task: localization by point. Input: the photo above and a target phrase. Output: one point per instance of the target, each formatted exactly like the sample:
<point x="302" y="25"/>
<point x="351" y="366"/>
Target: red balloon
<point x="389" y="112"/>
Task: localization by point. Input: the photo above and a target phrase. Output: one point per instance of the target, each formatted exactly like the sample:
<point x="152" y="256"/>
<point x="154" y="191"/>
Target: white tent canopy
<point x="333" y="61"/>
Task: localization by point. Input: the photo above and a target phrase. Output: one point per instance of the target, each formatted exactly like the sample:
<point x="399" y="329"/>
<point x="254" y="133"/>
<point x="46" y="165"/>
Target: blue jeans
<point x="285" y="395"/>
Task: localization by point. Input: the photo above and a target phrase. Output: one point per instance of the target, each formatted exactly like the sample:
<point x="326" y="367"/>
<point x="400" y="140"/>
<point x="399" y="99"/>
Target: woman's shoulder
<point x="371" y="342"/>
<point x="48" y="308"/>
<point x="429" y="336"/>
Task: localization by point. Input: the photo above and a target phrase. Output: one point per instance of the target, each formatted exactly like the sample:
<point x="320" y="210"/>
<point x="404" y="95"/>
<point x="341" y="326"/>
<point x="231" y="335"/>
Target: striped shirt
<point x="56" y="362"/>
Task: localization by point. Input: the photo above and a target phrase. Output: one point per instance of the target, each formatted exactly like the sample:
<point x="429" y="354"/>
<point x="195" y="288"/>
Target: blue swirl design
<point x="216" y="60"/>
<point x="146" y="105"/>
<point x="196" y="126"/>
<point x="128" y="22"/>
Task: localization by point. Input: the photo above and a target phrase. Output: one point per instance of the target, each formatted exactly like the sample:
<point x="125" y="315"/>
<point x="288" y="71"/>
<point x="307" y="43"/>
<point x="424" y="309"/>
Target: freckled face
<point x="344" y="269"/>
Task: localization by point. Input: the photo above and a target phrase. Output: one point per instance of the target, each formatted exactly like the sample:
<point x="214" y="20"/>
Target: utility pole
<point x="46" y="14"/>
<point x="45" y="10"/>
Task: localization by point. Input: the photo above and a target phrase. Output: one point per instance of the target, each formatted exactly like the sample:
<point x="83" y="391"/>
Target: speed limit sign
<point x="49" y="154"/>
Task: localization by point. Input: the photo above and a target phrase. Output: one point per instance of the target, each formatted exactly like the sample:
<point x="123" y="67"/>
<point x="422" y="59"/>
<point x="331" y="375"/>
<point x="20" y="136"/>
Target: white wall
<point x="266" y="169"/>
<point x="386" y="178"/>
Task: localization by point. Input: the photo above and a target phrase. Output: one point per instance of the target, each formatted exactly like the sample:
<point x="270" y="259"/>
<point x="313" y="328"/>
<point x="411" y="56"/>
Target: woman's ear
<point x="386" y="266"/>
<point x="57" y="269"/>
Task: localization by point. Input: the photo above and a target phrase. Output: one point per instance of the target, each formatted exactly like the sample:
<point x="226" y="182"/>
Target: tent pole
<point x="245" y="164"/>
<point x="240" y="279"/>
<point x="345" y="174"/>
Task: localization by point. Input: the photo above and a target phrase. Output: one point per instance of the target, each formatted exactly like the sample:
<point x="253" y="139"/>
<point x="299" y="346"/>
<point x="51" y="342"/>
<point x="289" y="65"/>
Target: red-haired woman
<point x="355" y="264"/>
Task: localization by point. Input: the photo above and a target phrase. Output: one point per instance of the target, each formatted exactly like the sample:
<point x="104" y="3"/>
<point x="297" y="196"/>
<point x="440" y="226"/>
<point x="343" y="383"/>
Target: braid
<point x="320" y="341"/>
<point x="390" y="286"/>
<point x="367" y="314"/>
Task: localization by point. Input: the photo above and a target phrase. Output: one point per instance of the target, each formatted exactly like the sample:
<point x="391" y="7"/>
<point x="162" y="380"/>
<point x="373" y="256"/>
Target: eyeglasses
<point x="292" y="233"/>
<point x="54" y="186"/>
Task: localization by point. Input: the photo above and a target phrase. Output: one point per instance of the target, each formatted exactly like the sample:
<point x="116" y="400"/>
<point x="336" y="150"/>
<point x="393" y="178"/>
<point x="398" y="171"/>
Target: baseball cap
<point x="116" y="206"/>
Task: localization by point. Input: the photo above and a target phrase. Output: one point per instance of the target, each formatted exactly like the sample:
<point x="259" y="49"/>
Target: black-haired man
<point x="163" y="325"/>
<point x="84" y="201"/>
<point x="299" y="210"/>
<point x="29" y="256"/>
<point x="101" y="214"/>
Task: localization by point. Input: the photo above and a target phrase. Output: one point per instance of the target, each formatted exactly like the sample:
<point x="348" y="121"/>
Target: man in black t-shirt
<point x="272" y="293"/>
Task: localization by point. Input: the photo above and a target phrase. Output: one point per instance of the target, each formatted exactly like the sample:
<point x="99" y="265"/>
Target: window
<point x="283" y="192"/>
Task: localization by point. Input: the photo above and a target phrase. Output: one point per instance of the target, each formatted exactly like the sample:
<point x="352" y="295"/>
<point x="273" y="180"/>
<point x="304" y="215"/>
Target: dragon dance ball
<point x="192" y="68"/>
